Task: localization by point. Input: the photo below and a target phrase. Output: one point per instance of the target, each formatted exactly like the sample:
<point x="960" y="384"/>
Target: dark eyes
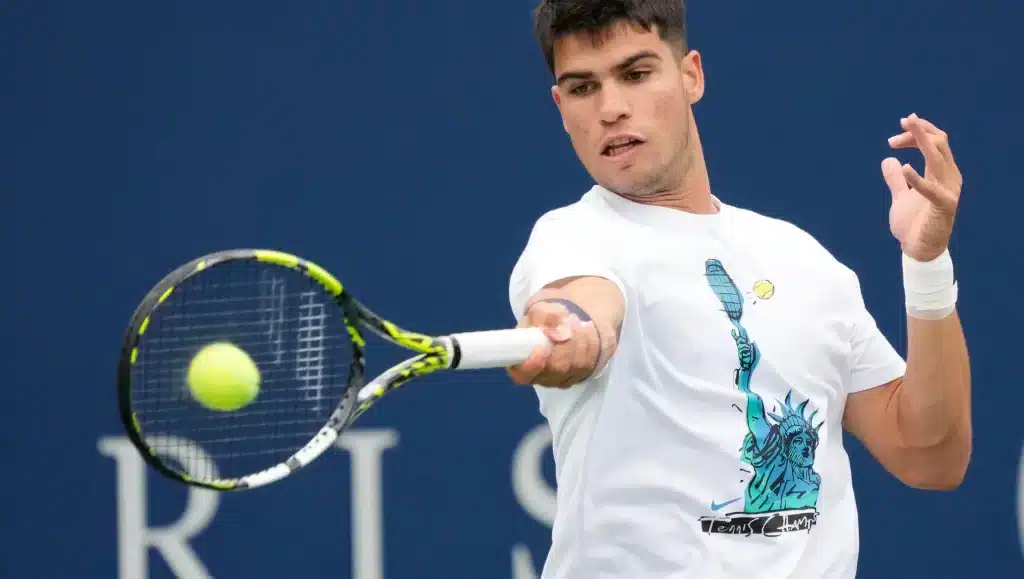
<point x="582" y="88"/>
<point x="635" y="75"/>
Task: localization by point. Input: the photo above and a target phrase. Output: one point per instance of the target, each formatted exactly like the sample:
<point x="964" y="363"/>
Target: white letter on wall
<point x="135" y="537"/>
<point x="532" y="492"/>
<point x="365" y="448"/>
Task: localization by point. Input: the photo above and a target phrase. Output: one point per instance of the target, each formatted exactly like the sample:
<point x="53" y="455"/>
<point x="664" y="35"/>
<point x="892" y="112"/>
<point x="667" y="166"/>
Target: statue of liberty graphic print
<point x="782" y="493"/>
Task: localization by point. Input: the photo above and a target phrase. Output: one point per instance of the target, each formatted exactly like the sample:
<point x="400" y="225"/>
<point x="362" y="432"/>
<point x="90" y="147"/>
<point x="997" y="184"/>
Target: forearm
<point x="934" y="398"/>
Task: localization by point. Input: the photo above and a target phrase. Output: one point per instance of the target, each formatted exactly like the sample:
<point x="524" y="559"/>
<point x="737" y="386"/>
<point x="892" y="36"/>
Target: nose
<point x="614" y="105"/>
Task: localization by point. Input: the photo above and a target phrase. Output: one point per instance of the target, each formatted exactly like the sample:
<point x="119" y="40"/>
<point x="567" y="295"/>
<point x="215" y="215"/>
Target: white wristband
<point x="930" y="287"/>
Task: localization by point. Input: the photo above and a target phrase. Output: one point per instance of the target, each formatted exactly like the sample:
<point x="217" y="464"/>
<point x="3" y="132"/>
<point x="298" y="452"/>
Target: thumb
<point x="892" y="172"/>
<point x="562" y="329"/>
<point x="554" y="319"/>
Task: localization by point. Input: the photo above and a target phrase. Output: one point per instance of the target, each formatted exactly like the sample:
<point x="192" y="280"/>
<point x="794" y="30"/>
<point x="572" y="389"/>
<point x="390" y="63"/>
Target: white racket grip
<point x="497" y="348"/>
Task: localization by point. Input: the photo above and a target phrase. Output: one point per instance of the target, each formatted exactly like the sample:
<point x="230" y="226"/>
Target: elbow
<point x="944" y="470"/>
<point x="940" y="481"/>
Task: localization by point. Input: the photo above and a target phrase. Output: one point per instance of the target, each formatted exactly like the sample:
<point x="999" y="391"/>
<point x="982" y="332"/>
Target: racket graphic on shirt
<point x="723" y="286"/>
<point x="305" y="333"/>
<point x="732" y="304"/>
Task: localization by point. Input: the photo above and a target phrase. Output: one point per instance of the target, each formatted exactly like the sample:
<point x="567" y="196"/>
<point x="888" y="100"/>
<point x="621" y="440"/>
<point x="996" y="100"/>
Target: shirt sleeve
<point x="561" y="245"/>
<point x="873" y="360"/>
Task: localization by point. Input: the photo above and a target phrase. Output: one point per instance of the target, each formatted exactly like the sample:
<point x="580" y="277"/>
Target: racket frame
<point x="485" y="349"/>
<point x="434" y="354"/>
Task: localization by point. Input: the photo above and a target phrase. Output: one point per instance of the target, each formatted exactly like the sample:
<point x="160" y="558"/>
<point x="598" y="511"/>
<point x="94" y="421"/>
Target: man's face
<point x="625" y="102"/>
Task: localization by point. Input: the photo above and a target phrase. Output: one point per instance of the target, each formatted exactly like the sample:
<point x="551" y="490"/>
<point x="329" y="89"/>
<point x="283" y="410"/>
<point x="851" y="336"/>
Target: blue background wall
<point x="136" y="135"/>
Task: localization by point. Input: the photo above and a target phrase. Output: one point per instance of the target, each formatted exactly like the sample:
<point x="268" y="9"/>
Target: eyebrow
<point x="587" y="75"/>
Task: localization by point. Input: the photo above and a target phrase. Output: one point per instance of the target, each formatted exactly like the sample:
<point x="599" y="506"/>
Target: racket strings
<point x="290" y="328"/>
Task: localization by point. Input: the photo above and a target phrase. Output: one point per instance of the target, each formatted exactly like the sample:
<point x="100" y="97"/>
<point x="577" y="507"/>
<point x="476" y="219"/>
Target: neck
<point x="692" y="192"/>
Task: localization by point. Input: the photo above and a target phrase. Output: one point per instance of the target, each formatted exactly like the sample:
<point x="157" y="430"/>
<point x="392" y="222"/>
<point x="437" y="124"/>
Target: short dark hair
<point x="553" y="19"/>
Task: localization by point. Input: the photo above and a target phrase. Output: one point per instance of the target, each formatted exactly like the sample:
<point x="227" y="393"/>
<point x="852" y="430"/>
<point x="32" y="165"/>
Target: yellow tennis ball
<point x="764" y="289"/>
<point x="223" y="377"/>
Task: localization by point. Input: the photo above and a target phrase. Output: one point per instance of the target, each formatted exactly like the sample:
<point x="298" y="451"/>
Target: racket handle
<point x="495" y="348"/>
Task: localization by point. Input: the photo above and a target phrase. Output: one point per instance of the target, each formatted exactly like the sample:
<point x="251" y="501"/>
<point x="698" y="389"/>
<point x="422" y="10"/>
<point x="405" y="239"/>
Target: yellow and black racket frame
<point x="435" y="353"/>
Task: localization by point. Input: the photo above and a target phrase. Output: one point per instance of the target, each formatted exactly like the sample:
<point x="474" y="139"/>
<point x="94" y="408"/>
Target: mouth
<point x="619" y="146"/>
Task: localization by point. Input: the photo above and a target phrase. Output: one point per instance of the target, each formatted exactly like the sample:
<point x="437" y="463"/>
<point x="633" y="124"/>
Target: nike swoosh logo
<point x="719" y="506"/>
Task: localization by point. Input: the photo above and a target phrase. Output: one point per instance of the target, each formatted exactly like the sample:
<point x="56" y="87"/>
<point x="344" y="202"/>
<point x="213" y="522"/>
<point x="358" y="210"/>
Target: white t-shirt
<point x="711" y="444"/>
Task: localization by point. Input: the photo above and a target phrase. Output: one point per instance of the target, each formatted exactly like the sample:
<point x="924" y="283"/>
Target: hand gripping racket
<point x="305" y="334"/>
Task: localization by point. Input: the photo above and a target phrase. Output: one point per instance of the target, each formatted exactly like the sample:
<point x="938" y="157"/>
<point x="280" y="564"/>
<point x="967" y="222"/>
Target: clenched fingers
<point x="569" y="358"/>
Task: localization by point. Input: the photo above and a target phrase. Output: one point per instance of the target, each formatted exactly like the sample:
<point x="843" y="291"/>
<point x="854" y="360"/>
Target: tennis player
<point x="706" y="358"/>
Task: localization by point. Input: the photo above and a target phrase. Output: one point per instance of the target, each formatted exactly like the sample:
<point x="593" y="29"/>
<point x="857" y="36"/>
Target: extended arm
<point x="565" y="269"/>
<point x="749" y="355"/>
<point x="582" y="344"/>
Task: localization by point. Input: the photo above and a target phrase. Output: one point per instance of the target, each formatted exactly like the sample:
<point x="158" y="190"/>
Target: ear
<point x="555" y="96"/>
<point x="693" y="76"/>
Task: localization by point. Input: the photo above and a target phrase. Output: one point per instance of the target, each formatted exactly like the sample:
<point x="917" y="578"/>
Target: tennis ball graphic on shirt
<point x="764" y="289"/>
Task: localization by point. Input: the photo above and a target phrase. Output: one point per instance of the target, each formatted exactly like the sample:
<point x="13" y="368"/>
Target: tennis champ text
<point x="767" y="524"/>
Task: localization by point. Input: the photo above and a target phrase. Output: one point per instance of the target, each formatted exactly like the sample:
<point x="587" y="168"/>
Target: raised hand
<point x="923" y="208"/>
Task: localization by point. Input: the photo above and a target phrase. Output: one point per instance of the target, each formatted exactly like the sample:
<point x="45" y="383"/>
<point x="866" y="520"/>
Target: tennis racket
<point x="304" y="332"/>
